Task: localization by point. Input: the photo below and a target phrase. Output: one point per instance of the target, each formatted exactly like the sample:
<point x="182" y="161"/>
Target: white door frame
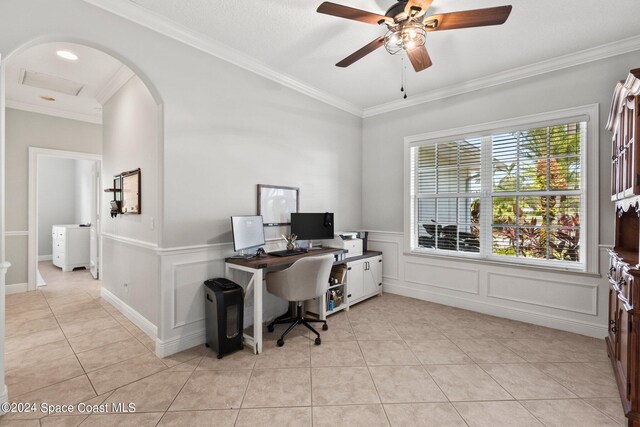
<point x="35" y="154"/>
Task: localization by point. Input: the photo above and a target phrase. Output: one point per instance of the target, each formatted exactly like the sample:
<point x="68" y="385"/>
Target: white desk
<point x="257" y="268"/>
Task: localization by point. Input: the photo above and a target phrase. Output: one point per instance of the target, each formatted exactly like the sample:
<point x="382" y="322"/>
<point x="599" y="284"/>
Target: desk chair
<point x="307" y="278"/>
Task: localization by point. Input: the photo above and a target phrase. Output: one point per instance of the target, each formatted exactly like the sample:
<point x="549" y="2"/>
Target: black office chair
<point x="306" y="279"/>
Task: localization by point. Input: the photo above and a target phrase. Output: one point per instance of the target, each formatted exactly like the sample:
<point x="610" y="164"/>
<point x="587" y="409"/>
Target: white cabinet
<point x="70" y="246"/>
<point x="364" y="278"/>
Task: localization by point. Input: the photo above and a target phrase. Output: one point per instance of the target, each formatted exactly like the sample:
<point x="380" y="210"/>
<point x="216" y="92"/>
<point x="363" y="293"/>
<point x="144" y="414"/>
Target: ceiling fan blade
<point x="468" y="18"/>
<point x="419" y="58"/>
<point x="422" y="4"/>
<point x="361" y="53"/>
<point x="347" y="12"/>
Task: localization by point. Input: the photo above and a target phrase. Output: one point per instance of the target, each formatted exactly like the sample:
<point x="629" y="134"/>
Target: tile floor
<point x="389" y="361"/>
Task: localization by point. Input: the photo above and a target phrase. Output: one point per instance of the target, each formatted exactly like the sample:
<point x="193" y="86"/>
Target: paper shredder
<point x="224" y="310"/>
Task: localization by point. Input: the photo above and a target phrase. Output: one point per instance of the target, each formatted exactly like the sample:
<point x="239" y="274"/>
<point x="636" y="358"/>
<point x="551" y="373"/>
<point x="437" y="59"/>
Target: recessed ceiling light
<point x="47" y="98"/>
<point x="67" y="55"/>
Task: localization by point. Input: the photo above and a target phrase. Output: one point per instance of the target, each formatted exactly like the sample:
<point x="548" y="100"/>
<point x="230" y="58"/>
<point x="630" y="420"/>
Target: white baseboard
<point x="4" y="398"/>
<point x="571" y="325"/>
<point x="15" y="288"/>
<point x="138" y="319"/>
<point x="178" y="344"/>
<point x="45" y="257"/>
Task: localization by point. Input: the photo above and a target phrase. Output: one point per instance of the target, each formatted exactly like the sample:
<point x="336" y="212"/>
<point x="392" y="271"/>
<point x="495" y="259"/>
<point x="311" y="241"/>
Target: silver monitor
<point x="248" y="232"/>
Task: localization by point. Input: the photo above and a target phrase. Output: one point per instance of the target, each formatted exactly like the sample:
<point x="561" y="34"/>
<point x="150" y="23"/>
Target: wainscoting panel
<point x="391" y="250"/>
<point x="459" y="279"/>
<point x="577" y="297"/>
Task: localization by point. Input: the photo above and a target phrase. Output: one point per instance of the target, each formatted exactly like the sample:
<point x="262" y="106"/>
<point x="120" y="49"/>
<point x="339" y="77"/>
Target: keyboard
<point x="289" y="253"/>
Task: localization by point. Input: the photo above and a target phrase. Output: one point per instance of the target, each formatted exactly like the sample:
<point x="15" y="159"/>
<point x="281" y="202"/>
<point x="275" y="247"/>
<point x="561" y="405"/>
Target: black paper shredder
<point x="224" y="310"/>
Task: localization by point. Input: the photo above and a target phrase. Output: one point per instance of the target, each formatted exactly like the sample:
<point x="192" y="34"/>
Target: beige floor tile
<point x="212" y="390"/>
<point x="567" y="413"/>
<point x="339" y="332"/>
<point x="124" y="420"/>
<point x="343" y="385"/>
<point x="494" y="414"/>
<point x="92" y="340"/>
<point x="185" y="356"/>
<point x="88" y="326"/>
<point x="188" y="366"/>
<point x="378" y="353"/>
<point x="281" y="417"/>
<point x="423" y="415"/>
<point x="217" y="418"/>
<point x="23" y="380"/>
<point x="63" y="420"/>
<point x="525" y="381"/>
<point x="61" y="309"/>
<point x="610" y="407"/>
<point x="31" y="340"/>
<point x="351" y="415"/>
<point x="294" y="354"/>
<point x="151" y="394"/>
<point x="405" y="384"/>
<point x="540" y="350"/>
<point x="487" y="351"/>
<point x="25" y="326"/>
<point x="125" y="372"/>
<point x="278" y="387"/>
<point x="111" y="354"/>
<point x="374" y="331"/>
<point x="34" y="358"/>
<point x="336" y="353"/>
<point x="466" y="383"/>
<point x="92" y="312"/>
<point x="19" y="423"/>
<point x="68" y="392"/>
<point x="438" y="352"/>
<point x="584" y="379"/>
<point x="243" y="359"/>
<point x="414" y="331"/>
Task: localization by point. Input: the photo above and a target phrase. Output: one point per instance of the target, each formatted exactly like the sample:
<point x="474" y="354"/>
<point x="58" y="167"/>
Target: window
<point x="512" y="193"/>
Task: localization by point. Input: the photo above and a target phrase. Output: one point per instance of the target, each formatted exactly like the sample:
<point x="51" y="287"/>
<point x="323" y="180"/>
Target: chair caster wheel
<point x="280" y="342"/>
<point x="206" y="345"/>
<point x="219" y="356"/>
<point x="270" y="328"/>
<point x="318" y="341"/>
<point x="325" y="327"/>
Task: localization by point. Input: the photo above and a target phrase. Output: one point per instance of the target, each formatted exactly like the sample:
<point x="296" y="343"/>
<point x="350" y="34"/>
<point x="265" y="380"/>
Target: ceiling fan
<point x="407" y="27"/>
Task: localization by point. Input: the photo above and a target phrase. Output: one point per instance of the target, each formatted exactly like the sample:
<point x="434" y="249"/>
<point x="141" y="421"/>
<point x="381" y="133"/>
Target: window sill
<point x="455" y="257"/>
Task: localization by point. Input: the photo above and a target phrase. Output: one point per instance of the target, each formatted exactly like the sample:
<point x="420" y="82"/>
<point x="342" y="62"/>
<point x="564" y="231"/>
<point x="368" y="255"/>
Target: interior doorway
<point x="64" y="196"/>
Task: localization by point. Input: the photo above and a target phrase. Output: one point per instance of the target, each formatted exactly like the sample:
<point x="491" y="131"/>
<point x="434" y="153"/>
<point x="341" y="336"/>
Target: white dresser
<point x="70" y="246"/>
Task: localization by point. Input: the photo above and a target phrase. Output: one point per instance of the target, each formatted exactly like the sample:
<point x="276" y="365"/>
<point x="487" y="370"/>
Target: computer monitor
<point x="312" y="226"/>
<point x="248" y="232"/>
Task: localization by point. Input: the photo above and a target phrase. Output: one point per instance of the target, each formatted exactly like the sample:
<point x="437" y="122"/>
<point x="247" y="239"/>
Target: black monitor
<point x="248" y="232"/>
<point x="312" y="226"/>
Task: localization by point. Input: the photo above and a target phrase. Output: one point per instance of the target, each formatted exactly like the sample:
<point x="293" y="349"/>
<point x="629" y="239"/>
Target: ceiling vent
<point x="49" y="82"/>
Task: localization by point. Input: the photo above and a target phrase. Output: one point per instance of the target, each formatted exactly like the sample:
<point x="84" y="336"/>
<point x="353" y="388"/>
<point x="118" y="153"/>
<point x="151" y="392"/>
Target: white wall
<point x="85" y="192"/>
<point x="24" y="130"/>
<point x="130" y="265"/>
<point x="56" y="198"/>
<point x="565" y="301"/>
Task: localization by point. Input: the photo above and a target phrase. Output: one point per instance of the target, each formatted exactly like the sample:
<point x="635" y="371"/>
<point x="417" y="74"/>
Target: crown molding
<point x="49" y="111"/>
<point x="559" y="63"/>
<point x="152" y="21"/>
<point x="119" y="78"/>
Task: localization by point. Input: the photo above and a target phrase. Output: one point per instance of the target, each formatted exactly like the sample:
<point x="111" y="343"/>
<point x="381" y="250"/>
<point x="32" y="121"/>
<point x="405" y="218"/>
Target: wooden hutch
<point x="622" y="341"/>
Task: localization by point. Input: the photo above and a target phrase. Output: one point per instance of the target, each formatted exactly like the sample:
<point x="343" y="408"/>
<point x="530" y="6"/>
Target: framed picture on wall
<point x="131" y="192"/>
<point x="277" y="203"/>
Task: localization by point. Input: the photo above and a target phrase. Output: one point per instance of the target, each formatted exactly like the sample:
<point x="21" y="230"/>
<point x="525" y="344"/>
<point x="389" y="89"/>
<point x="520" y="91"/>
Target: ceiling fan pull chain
<point x="404" y="78"/>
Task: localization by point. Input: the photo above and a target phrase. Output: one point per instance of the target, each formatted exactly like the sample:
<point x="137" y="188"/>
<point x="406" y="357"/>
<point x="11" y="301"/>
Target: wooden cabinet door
<point x="613" y="320"/>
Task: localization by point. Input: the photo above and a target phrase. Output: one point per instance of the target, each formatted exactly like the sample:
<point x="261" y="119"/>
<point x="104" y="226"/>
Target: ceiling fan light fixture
<point x="409" y="36"/>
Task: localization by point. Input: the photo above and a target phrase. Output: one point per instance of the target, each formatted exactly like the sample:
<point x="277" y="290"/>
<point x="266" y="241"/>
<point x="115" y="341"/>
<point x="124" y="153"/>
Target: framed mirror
<point x="131" y="192"/>
<point x="277" y="203"/>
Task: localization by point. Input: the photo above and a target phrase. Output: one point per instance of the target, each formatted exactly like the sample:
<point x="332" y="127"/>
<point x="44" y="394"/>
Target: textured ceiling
<point x="291" y="38"/>
<point x="94" y="69"/>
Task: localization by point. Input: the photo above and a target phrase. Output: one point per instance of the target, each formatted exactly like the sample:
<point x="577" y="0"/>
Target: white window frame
<point x="589" y="219"/>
